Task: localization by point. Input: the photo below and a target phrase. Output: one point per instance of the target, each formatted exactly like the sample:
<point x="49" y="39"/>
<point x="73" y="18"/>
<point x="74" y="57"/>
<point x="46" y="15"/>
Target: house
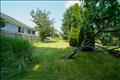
<point x="15" y="26"/>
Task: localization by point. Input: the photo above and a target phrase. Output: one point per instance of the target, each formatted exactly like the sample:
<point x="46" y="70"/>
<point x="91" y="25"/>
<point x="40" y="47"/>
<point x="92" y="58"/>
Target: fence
<point x="21" y="35"/>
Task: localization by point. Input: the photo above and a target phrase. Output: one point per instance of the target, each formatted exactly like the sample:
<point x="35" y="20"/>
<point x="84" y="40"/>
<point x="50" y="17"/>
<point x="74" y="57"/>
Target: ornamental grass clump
<point x="16" y="56"/>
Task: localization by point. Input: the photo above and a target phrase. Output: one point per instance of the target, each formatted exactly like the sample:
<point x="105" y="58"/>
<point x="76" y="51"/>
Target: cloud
<point x="69" y="3"/>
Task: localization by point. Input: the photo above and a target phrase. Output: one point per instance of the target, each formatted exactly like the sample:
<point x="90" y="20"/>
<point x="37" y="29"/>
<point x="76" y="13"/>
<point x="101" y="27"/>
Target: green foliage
<point x="73" y="36"/>
<point x="66" y="23"/>
<point x="101" y="21"/>
<point x="81" y="36"/>
<point x="16" y="56"/>
<point x="106" y="20"/>
<point x="71" y="19"/>
<point x="44" y="25"/>
<point x="76" y="25"/>
<point x="2" y="22"/>
<point x="97" y="19"/>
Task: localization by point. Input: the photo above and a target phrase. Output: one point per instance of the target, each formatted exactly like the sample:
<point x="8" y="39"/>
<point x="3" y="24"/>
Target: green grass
<point x="86" y="65"/>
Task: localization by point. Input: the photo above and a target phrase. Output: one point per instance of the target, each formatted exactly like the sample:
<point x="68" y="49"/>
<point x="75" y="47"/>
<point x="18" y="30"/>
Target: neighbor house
<point x="15" y="26"/>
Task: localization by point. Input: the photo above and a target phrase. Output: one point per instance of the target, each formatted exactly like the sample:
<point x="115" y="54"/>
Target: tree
<point x="86" y="34"/>
<point x="73" y="36"/>
<point x="70" y="24"/>
<point x="2" y="23"/>
<point x="66" y="23"/>
<point x="107" y="22"/>
<point x="100" y="20"/>
<point x="44" y="25"/>
<point x="56" y="33"/>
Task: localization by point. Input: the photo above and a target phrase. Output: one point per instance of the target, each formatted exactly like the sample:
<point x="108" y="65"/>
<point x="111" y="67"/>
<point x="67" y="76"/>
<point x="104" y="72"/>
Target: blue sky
<point x="20" y="10"/>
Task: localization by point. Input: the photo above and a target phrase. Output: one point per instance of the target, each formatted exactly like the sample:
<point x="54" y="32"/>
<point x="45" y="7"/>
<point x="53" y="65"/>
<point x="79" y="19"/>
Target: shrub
<point x="73" y="36"/>
<point x="86" y="35"/>
<point x="16" y="55"/>
<point x="72" y="41"/>
<point x="81" y="37"/>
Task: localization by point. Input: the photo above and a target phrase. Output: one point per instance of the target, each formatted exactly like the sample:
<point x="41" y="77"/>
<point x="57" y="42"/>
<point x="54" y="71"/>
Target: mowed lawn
<point x="86" y="65"/>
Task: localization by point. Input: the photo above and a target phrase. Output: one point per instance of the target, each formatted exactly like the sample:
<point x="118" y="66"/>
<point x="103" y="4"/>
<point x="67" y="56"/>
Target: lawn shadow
<point x="50" y="41"/>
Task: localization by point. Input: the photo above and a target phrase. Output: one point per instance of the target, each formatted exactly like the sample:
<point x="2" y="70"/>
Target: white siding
<point x="11" y="28"/>
<point x="26" y="31"/>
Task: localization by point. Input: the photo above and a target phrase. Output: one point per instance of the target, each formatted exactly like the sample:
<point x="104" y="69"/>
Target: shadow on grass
<point x="50" y="41"/>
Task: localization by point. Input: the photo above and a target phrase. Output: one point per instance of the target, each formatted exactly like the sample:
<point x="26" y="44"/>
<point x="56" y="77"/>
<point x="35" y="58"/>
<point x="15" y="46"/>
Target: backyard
<point x="52" y="64"/>
<point x="60" y="40"/>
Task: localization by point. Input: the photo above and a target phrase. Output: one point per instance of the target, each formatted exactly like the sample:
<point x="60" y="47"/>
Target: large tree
<point x="66" y="23"/>
<point x="70" y="24"/>
<point x="44" y="25"/>
<point x="100" y="21"/>
<point x="107" y="22"/>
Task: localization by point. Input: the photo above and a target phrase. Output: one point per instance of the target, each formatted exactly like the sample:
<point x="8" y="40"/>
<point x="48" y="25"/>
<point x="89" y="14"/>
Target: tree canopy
<point x="44" y="25"/>
<point x="2" y="22"/>
<point x="96" y="20"/>
<point x="71" y="24"/>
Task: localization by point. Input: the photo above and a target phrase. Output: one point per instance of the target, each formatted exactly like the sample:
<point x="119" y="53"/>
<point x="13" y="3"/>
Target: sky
<point x="20" y="10"/>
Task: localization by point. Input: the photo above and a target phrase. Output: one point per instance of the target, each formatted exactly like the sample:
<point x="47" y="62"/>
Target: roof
<point x="14" y="21"/>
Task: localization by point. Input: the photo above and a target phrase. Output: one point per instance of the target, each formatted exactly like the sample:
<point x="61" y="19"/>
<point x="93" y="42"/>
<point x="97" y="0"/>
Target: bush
<point x="16" y="56"/>
<point x="72" y="41"/>
<point x="86" y="35"/>
<point x="73" y="36"/>
<point x="81" y="37"/>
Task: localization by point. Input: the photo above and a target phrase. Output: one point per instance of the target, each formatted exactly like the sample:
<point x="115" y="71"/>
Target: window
<point x="19" y="29"/>
<point x="22" y="30"/>
<point x="33" y="32"/>
<point x="28" y="31"/>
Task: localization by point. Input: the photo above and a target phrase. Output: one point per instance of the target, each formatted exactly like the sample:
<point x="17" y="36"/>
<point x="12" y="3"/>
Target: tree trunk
<point x="90" y="39"/>
<point x="87" y="36"/>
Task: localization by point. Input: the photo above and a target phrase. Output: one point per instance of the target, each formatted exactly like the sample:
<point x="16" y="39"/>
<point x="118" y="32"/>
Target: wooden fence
<point x="21" y="35"/>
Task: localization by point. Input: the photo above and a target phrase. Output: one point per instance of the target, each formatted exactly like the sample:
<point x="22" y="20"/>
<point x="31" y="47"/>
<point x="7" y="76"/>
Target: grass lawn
<point x="86" y="65"/>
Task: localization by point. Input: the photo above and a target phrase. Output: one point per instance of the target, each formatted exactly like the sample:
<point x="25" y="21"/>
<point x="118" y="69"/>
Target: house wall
<point x="25" y="31"/>
<point x="11" y="28"/>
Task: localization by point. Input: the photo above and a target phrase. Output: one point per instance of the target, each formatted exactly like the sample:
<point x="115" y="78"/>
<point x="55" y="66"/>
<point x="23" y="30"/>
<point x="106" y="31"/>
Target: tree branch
<point x="113" y="30"/>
